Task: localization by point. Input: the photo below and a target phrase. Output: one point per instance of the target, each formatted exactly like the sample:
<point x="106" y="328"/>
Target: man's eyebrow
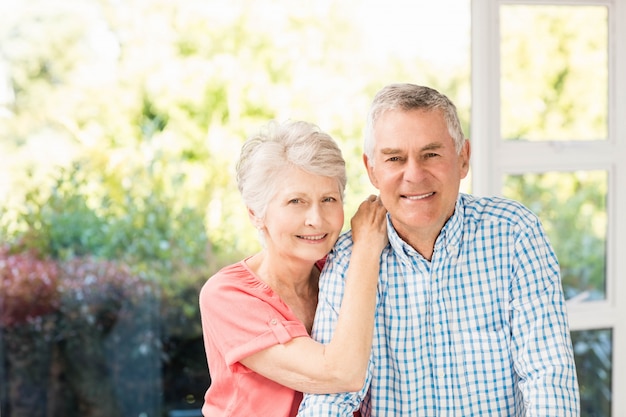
<point x="389" y="151"/>
<point x="429" y="147"/>
<point x="432" y="146"/>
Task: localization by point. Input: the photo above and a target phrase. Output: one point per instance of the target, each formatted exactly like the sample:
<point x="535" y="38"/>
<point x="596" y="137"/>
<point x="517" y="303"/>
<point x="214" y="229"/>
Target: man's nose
<point x="413" y="170"/>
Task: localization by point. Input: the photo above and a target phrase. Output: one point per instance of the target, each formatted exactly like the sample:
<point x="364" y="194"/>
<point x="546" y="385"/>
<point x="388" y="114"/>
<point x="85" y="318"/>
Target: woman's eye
<point x="294" y="201"/>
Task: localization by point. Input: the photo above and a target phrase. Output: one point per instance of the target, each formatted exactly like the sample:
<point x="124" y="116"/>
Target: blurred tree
<point x="553" y="75"/>
<point x="123" y="122"/>
<point x="177" y="86"/>
<point x="554" y="87"/>
<point x="572" y="206"/>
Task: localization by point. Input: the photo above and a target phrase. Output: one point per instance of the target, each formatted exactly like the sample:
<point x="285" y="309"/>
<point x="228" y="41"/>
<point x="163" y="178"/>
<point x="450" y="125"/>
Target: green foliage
<point x="184" y="83"/>
<point x="58" y="223"/>
<point x="572" y="207"/>
<point x="552" y="78"/>
<point x="130" y="134"/>
<point x="145" y="227"/>
<point x="126" y="119"/>
<point x="593" y="350"/>
<point x="79" y="217"/>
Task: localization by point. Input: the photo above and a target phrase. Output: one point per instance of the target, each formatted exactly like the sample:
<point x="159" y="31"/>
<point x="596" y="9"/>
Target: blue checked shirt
<point x="480" y="330"/>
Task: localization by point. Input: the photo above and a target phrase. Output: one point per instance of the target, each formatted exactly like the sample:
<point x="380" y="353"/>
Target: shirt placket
<point x="443" y="372"/>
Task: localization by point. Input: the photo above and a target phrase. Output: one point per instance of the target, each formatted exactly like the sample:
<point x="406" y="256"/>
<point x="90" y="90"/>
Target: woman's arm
<point x="339" y="366"/>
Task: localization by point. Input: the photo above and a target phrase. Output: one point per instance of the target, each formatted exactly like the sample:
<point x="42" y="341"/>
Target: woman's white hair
<point x="266" y="156"/>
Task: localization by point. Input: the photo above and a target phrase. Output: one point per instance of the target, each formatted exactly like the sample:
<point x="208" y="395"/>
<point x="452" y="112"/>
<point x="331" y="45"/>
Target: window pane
<point x="554" y="72"/>
<point x="572" y="208"/>
<point x="593" y="352"/>
<point x="108" y="160"/>
<point x="77" y="338"/>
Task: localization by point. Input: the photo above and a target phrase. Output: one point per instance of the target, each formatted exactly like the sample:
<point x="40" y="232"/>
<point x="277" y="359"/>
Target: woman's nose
<point x="314" y="215"/>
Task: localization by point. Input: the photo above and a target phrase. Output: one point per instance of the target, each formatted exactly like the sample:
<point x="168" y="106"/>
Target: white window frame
<point x="492" y="158"/>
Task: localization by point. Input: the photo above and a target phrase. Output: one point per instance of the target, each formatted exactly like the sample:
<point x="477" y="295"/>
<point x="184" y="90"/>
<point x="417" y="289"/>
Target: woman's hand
<point x="369" y="225"/>
<point x="340" y="365"/>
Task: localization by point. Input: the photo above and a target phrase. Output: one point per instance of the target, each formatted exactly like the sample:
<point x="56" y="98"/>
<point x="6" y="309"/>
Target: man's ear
<point x="465" y="158"/>
<point x="371" y="173"/>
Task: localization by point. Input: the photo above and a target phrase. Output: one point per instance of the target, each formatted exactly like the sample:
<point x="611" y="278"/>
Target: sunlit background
<point x="121" y="122"/>
<point x="126" y="80"/>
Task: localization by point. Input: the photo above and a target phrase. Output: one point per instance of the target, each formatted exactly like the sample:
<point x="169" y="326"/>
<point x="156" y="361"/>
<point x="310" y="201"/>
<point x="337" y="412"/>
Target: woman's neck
<point x="285" y="274"/>
<point x="295" y="283"/>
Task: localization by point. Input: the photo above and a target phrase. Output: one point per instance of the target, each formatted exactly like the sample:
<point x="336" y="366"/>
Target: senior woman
<point x="257" y="314"/>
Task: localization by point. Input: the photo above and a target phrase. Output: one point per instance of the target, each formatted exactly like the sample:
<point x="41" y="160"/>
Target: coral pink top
<point x="242" y="315"/>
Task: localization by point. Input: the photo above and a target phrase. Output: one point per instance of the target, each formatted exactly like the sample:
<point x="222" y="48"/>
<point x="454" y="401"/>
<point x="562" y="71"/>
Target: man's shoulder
<point x="342" y="248"/>
<point x="344" y="243"/>
<point x="495" y="209"/>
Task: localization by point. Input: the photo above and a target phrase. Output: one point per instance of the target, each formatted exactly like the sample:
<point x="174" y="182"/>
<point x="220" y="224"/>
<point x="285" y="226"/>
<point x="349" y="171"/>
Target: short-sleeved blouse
<point x="242" y="315"/>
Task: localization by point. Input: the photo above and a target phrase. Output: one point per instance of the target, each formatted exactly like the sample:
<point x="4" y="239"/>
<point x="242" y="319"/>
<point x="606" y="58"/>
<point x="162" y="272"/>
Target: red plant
<point x="94" y="291"/>
<point x="28" y="286"/>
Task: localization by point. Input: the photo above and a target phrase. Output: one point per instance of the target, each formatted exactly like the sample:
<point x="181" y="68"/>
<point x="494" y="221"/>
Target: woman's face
<point x="305" y="217"/>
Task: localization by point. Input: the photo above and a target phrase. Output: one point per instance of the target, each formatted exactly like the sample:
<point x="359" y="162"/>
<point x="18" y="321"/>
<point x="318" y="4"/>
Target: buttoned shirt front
<point x="480" y="330"/>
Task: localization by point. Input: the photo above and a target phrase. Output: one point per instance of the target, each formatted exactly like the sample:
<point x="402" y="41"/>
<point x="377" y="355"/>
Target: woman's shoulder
<point x="236" y="279"/>
<point x="233" y="275"/>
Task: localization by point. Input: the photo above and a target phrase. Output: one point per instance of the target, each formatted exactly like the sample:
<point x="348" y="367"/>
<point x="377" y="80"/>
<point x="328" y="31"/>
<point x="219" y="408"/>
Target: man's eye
<point x="393" y="159"/>
<point x="431" y="155"/>
<point x="329" y="199"/>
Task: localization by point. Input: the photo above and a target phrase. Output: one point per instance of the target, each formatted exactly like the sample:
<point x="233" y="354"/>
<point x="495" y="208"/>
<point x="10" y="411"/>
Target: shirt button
<point x="441" y="374"/>
<point x="273" y="322"/>
<point x="438" y="327"/>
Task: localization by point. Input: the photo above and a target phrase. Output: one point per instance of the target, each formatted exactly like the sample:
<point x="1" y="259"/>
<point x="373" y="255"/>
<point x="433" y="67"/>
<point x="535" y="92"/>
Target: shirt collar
<point x="449" y="239"/>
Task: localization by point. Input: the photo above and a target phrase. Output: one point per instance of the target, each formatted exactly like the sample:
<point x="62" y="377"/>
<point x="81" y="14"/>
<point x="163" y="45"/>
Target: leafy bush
<point x="91" y="340"/>
<point x="28" y="286"/>
<point x="106" y="284"/>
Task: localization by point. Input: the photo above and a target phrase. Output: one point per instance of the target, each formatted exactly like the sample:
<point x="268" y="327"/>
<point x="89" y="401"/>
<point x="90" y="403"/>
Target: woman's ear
<point x="256" y="221"/>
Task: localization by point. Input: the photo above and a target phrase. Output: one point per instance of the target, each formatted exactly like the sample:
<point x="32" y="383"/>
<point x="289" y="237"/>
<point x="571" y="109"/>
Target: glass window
<point x="554" y="72"/>
<point x="593" y="350"/>
<point x="121" y="123"/>
<point x="572" y="208"/>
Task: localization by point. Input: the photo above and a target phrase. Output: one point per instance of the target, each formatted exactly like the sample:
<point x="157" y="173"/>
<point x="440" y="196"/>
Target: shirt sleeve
<point x="244" y="317"/>
<point x="331" y="292"/>
<point x="541" y="344"/>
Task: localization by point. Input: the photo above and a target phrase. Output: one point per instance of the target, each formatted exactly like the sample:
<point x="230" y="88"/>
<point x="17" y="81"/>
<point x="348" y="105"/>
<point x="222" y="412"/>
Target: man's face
<point x="417" y="171"/>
